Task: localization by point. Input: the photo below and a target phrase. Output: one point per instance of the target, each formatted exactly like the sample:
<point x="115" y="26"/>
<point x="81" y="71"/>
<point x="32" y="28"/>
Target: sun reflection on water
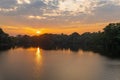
<point x="38" y="56"/>
<point x="38" y="63"/>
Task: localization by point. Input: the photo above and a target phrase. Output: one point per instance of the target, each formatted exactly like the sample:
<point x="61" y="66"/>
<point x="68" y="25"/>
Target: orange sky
<point x="66" y="30"/>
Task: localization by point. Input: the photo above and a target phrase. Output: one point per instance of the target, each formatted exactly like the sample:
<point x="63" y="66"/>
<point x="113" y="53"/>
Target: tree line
<point x="106" y="42"/>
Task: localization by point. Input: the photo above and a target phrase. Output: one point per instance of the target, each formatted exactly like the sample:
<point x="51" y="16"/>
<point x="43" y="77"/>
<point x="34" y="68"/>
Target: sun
<point x="38" y="32"/>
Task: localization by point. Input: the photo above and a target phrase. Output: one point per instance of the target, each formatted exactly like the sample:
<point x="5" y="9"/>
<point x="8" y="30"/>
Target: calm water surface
<point x="38" y="64"/>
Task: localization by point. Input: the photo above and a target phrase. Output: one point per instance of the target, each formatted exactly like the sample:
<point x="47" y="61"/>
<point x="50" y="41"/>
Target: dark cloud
<point x="7" y="3"/>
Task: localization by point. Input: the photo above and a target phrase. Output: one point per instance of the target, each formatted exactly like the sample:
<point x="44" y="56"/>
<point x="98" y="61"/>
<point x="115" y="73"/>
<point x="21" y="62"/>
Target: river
<point x="39" y="64"/>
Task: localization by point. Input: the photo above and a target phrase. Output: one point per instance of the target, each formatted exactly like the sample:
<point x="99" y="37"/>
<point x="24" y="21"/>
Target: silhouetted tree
<point x="5" y="40"/>
<point x="106" y="42"/>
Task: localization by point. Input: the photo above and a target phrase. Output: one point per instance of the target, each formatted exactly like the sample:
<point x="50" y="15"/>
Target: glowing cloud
<point x="8" y="9"/>
<point x="23" y="1"/>
<point x="77" y="6"/>
<point x="116" y="2"/>
<point x="36" y="17"/>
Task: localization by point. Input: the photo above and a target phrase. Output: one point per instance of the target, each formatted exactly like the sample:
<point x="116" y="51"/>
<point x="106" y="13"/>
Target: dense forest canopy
<point x="106" y="42"/>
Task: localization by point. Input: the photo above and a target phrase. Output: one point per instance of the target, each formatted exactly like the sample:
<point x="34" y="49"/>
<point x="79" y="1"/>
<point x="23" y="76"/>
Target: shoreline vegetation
<point x="106" y="43"/>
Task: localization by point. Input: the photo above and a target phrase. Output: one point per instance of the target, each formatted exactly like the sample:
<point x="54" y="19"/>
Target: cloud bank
<point x="59" y="12"/>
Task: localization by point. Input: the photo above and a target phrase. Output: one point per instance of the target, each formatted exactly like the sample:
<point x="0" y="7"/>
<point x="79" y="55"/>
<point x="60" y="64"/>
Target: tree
<point x="112" y="36"/>
<point x="5" y="40"/>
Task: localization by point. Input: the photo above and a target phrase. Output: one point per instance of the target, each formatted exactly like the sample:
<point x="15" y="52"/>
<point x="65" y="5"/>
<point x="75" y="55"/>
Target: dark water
<point x="38" y="64"/>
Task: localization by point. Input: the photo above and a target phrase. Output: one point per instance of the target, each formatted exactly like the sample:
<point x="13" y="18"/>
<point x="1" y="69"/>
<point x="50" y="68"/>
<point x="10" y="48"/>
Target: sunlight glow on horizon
<point x="14" y="31"/>
<point x="38" y="32"/>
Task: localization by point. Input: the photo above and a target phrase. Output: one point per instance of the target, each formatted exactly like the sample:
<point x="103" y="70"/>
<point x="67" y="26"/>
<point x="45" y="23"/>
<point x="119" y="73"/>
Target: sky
<point x="57" y="16"/>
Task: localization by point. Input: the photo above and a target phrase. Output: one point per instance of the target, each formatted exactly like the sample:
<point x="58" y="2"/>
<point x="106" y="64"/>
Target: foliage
<point x="106" y="42"/>
<point x="5" y="40"/>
